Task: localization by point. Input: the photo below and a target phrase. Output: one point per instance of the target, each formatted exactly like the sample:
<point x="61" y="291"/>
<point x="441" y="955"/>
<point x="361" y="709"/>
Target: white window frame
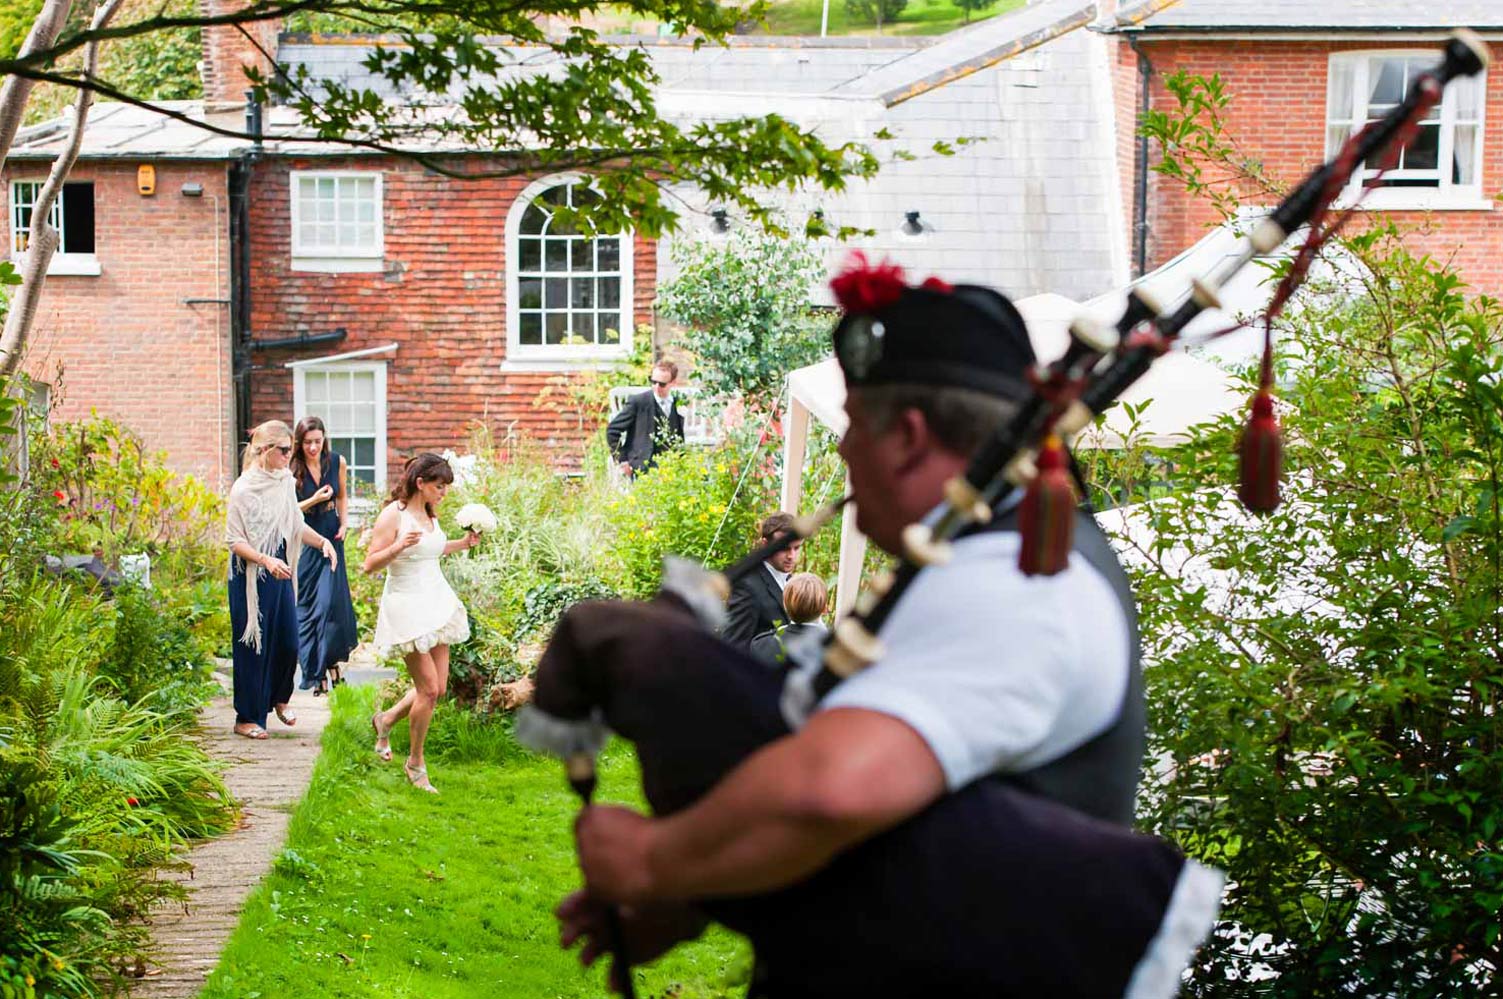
<point x="300" y="402"/>
<point x="327" y="260"/>
<point x="1446" y="195"/>
<point x="521" y="356"/>
<point x="62" y="264"/>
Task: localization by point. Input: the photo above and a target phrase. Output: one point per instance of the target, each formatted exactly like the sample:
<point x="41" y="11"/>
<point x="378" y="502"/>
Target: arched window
<point x="571" y="294"/>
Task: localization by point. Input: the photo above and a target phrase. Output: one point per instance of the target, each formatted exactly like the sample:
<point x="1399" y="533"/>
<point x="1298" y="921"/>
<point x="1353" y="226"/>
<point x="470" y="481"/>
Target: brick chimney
<point x="228" y="49"/>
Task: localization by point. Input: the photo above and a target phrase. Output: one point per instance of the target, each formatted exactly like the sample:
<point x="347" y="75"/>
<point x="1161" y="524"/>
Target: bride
<point x="420" y="616"/>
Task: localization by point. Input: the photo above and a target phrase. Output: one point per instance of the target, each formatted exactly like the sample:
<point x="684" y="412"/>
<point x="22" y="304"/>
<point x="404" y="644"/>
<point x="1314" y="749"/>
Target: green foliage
<point x="745" y="300"/>
<point x="1323" y="682"/>
<point x="380" y="891"/>
<point x="155" y="656"/>
<point x="116" y="497"/>
<point x="1195" y="148"/>
<point x="972" y="6"/>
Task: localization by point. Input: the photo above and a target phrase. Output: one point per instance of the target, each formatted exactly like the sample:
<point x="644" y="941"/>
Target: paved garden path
<point x="268" y="778"/>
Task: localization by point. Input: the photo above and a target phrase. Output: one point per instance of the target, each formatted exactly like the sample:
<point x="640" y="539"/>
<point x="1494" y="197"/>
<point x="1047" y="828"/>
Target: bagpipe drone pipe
<point x="993" y="890"/>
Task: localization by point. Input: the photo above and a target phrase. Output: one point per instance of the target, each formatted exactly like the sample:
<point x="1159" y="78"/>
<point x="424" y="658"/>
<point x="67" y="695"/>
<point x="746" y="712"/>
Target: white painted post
<point x="852" y="555"/>
<point x="824" y="19"/>
<point x="795" y="443"/>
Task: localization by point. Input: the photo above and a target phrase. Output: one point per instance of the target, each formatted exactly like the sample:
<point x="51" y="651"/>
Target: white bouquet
<point x="476" y="517"/>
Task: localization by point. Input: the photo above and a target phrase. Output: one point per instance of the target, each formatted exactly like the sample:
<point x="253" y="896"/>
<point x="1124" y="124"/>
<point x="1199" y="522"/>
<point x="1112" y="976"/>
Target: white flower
<point x="476" y="517"/>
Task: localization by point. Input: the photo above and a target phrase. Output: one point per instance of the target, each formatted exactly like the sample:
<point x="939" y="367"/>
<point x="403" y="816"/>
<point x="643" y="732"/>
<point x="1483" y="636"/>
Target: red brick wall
<point x="124" y="343"/>
<point x="1277" y="115"/>
<point x="441" y="296"/>
<point x="1126" y="88"/>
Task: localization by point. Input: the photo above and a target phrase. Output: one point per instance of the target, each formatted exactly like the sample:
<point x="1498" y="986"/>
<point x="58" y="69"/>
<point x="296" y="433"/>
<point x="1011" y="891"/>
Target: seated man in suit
<point x="804" y="600"/>
<point x="756" y="603"/>
<point x="648" y="424"/>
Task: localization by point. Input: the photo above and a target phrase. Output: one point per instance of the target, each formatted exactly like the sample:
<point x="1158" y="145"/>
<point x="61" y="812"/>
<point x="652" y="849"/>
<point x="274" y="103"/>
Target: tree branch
<point x="44" y="238"/>
<point x="17" y="89"/>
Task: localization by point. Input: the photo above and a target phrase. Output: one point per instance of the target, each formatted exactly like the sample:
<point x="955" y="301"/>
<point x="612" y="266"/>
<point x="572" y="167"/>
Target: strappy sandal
<point x="254" y="732"/>
<point x="418" y="777"/>
<point x="382" y="735"/>
<point x="288" y="718"/>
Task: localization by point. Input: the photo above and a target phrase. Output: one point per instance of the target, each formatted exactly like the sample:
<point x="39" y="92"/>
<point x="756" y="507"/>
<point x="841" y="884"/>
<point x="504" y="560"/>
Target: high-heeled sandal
<point x="382" y="735"/>
<point x="418" y="777"/>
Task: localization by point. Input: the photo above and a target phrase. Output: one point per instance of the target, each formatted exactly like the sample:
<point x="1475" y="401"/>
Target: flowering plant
<point x="476" y="517"/>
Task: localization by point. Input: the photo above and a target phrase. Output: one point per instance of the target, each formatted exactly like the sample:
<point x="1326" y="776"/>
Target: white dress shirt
<point x="777" y="574"/>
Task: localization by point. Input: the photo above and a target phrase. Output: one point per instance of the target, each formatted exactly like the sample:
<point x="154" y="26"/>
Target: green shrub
<point x="116" y="497"/>
<point x="154" y="656"/>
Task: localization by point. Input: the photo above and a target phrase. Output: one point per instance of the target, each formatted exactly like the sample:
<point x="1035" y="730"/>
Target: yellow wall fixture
<point x="146" y="179"/>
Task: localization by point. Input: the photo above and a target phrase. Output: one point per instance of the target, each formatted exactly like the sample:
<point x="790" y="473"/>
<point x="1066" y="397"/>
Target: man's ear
<point x="910" y="438"/>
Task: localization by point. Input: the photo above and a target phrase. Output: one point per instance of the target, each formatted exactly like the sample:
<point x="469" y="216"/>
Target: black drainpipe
<point x="1140" y="168"/>
<point x="240" y="300"/>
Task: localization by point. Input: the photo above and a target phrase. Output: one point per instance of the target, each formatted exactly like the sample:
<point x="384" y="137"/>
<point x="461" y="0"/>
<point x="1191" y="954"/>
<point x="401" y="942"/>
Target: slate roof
<point x="124" y="131"/>
<point x="1298" y="15"/>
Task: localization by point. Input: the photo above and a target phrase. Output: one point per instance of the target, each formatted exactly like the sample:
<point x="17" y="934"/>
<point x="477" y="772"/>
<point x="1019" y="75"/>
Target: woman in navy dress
<point x="266" y="535"/>
<point x="327" y="632"/>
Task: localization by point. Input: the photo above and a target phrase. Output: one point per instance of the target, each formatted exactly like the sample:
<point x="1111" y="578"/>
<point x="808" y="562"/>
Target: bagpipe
<point x="993" y="890"/>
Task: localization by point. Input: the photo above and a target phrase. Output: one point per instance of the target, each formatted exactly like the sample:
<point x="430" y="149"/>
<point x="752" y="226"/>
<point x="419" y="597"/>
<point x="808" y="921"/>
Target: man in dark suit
<point x="648" y="424"/>
<point x="756" y="603"/>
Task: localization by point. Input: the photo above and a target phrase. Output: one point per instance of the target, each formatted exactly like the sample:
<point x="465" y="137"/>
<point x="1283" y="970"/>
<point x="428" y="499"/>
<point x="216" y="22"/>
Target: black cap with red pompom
<point x="961" y="336"/>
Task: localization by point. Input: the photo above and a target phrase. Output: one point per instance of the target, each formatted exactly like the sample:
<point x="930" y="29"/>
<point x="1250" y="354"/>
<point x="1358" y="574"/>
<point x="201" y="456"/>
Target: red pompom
<point x="864" y="287"/>
<point x="1262" y="457"/>
<point x="1046" y="519"/>
<point x="937" y="284"/>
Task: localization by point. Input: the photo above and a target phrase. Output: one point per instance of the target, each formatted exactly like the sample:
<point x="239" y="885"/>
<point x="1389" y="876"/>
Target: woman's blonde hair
<point x="804" y="597"/>
<point x="264" y="435"/>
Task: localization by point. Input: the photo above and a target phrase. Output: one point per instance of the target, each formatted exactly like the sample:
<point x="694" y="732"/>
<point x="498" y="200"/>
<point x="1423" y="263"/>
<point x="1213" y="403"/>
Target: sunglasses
<point x="286" y="449"/>
<point x="659" y="384"/>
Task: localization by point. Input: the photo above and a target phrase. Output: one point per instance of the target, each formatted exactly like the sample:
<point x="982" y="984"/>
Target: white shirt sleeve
<point x="997" y="671"/>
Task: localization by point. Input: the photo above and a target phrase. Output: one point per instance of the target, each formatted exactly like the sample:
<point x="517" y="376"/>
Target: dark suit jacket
<point x="756" y="605"/>
<point x="768" y="646"/>
<point x="633" y="433"/>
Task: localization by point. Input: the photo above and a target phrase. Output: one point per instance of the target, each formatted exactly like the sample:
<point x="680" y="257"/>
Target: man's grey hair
<point x="959" y="418"/>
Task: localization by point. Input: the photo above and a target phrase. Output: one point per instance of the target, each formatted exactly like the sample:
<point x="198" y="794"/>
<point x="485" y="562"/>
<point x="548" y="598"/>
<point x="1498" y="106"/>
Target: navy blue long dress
<point x="263" y="678"/>
<point x="327" y="632"/>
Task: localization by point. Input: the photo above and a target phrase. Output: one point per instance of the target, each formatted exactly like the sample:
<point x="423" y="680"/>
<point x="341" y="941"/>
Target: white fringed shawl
<point x="263" y="513"/>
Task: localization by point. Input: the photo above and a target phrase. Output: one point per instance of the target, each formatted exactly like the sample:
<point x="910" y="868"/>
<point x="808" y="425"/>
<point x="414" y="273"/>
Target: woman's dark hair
<point x="300" y="463"/>
<point x="426" y="466"/>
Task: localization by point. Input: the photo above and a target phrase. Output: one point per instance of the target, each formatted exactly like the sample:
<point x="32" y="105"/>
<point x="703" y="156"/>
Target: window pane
<point x="1339" y="90"/>
<point x="349" y="235"/>
<point x="339" y="386"/>
<point x="1464" y="155"/>
<point x="609" y="334"/>
<point x="363" y="386"/>
<point x="1423" y="152"/>
<point x="363" y="419"/>
<point x="530" y="255"/>
<point x="582" y="293"/>
<point x="534" y="219"/>
<point x="609" y="291"/>
<point x="366" y="210"/>
<point x="532" y="328"/>
<point x="315" y="387"/>
<point x="325" y="188"/>
<point x="1336" y="137"/>
<point x="556" y="255"/>
<point x="365" y="451"/>
<point x="530" y="293"/>
<point x="555" y="195"/>
<point x="556" y="326"/>
<point x="609" y="258"/>
<point x="582" y="255"/>
<point x="1385" y="81"/>
<point x="1464" y="92"/>
<point x="556" y="293"/>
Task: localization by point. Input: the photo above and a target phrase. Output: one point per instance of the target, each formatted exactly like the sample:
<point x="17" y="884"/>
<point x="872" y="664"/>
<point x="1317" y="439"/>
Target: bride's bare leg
<point x="424" y="694"/>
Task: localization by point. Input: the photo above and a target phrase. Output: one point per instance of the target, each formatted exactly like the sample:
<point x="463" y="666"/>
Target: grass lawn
<point x="801" y="17"/>
<point x="920" y="17"/>
<point x="384" y="891"/>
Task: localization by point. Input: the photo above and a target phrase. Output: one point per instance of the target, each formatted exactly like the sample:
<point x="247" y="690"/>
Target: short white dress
<point x="418" y="607"/>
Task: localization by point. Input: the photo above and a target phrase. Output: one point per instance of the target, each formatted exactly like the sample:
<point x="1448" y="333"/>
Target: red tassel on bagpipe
<point x="1261" y="451"/>
<point x="1046" y="520"/>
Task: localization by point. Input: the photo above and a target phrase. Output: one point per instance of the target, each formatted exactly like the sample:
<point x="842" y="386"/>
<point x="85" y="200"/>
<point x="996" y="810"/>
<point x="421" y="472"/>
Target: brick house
<point x="279" y="278"/>
<point x="1301" y="74"/>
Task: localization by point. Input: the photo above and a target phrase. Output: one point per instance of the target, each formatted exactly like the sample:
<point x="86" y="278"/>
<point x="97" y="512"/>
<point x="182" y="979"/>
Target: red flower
<point x="56" y="463"/>
<point x="938" y="284"/>
<point x="60" y="496"/>
<point x="863" y="287"/>
<point x="132" y="802"/>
